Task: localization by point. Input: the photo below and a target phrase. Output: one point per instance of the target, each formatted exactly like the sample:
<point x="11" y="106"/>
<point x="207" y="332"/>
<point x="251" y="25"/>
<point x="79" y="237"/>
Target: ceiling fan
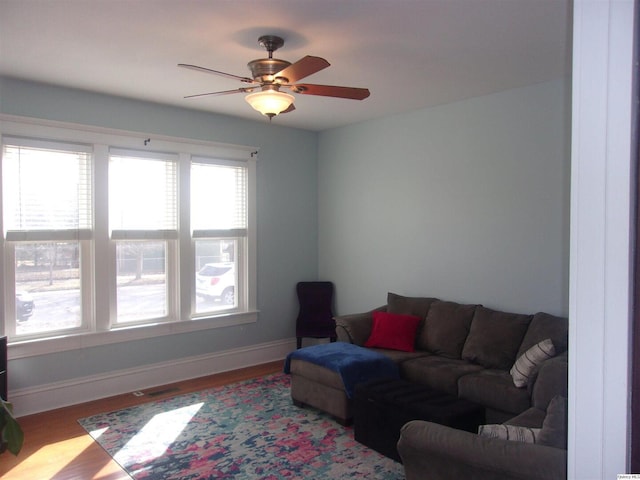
<point x="269" y="75"/>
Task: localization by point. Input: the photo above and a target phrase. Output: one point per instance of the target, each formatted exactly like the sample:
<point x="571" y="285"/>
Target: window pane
<point x="142" y="280"/>
<point x="218" y="197"/>
<point x="46" y="189"/>
<point x="217" y="275"/>
<point x="47" y="287"/>
<point x="142" y="194"/>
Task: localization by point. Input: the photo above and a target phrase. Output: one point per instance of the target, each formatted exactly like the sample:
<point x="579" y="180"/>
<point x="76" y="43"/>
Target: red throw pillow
<point x="393" y="331"/>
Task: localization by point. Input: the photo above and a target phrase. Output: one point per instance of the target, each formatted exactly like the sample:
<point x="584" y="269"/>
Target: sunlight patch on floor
<point x="37" y="465"/>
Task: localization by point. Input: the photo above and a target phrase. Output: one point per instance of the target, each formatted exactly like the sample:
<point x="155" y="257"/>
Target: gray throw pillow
<point x="529" y="362"/>
<point x="513" y="433"/>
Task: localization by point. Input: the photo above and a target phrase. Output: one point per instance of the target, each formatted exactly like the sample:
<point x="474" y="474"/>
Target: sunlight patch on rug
<point x="156" y="436"/>
<point x="249" y="430"/>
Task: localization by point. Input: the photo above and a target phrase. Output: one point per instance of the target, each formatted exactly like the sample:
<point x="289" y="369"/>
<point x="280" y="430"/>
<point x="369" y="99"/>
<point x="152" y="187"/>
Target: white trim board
<point x="601" y="258"/>
<point x="30" y="400"/>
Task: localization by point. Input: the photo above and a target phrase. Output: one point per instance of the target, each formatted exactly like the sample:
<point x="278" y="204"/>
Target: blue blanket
<point x="354" y="364"/>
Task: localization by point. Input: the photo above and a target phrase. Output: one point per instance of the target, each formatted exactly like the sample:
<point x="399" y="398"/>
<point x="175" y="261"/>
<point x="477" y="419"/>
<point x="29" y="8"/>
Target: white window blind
<point x="46" y="190"/>
<point x="218" y="198"/>
<point x="142" y="195"/>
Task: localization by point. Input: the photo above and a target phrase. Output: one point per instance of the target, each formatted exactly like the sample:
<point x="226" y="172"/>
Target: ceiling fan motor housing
<point x="264" y="69"/>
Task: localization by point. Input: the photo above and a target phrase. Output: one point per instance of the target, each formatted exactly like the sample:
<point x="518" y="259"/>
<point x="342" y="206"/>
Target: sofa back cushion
<point x="445" y="329"/>
<point x="545" y="326"/>
<point x="416" y="306"/>
<point x="495" y="337"/>
<point x="552" y="379"/>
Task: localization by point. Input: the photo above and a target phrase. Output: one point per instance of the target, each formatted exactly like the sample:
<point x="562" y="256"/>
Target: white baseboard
<point x="27" y="401"/>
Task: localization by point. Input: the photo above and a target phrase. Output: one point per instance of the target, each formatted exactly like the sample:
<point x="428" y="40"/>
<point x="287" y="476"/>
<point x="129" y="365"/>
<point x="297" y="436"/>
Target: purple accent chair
<point x="315" y="318"/>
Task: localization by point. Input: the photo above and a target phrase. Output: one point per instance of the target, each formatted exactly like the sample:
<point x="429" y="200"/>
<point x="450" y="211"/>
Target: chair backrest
<point x="316" y="302"/>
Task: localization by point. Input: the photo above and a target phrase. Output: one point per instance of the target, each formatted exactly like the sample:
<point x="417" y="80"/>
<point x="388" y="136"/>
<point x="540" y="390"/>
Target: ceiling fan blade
<point x="216" y="72"/>
<point x="331" y="91"/>
<point x="291" y="108"/>
<point x="303" y="68"/>
<point x="224" y="92"/>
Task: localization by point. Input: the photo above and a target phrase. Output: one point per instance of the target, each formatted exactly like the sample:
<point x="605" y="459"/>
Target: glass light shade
<point x="269" y="102"/>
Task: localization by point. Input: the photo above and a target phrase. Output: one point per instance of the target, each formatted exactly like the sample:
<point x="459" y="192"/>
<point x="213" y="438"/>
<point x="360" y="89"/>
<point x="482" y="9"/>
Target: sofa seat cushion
<point x="437" y="372"/>
<point x="494" y="389"/>
<point x="494" y="338"/>
<point x="531" y="417"/>
<point x="399" y="356"/>
<point x="446" y="328"/>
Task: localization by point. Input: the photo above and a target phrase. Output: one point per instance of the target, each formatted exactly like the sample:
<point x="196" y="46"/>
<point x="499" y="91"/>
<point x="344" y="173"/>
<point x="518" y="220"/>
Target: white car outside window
<point x="217" y="281"/>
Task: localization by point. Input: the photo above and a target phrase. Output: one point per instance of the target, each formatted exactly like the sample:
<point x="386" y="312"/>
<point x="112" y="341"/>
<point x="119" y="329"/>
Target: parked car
<point x="217" y="281"/>
<point x="24" y="306"/>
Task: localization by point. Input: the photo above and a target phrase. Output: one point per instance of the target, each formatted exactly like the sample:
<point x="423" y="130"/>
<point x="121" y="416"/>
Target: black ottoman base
<point x="382" y="407"/>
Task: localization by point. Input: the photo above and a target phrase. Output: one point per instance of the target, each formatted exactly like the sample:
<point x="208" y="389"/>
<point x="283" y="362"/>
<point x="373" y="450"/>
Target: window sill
<point x="30" y="348"/>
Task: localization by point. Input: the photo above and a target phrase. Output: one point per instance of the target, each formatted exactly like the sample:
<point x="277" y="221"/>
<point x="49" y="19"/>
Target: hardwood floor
<point x="56" y="447"/>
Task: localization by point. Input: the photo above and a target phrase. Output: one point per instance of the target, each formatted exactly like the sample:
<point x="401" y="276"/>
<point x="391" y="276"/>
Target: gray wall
<point x="287" y="230"/>
<point x="467" y="202"/>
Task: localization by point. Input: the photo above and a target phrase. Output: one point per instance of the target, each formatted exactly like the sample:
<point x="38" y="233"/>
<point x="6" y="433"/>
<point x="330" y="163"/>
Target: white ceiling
<point x="409" y="53"/>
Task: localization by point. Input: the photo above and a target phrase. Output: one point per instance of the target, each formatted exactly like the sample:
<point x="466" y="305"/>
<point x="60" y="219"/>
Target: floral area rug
<point x="248" y="430"/>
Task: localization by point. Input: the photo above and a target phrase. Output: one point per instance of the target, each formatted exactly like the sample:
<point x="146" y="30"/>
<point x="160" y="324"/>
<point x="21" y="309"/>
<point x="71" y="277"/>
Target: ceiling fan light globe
<point x="269" y="102"/>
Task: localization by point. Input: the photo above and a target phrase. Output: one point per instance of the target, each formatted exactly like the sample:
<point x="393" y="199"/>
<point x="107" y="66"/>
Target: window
<point x="143" y="220"/>
<point x="219" y="223"/>
<point x="101" y="232"/>
<point x="47" y="213"/>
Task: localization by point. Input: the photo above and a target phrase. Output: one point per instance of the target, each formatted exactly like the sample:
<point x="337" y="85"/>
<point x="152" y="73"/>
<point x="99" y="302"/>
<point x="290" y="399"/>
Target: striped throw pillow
<point x="530" y="360"/>
<point x="514" y="433"/>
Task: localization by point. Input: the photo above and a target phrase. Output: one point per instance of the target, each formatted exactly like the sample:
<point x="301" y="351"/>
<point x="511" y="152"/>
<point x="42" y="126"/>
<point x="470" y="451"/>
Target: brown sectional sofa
<point x="465" y="350"/>
<point x="468" y="351"/>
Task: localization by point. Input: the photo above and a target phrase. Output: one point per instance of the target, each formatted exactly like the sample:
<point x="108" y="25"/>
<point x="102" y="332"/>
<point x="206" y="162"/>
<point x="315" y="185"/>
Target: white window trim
<point x="103" y="331"/>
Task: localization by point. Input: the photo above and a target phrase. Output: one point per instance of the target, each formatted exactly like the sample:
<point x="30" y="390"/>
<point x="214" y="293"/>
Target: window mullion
<point x="186" y="272"/>
<point x="104" y="282"/>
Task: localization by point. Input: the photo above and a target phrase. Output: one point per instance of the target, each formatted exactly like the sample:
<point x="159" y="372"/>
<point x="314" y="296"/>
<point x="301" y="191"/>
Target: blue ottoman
<point x="325" y="376"/>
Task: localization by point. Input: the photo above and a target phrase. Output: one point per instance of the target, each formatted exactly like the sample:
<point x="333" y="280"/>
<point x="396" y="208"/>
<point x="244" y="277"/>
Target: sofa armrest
<point x="433" y="451"/>
<point x="355" y="328"/>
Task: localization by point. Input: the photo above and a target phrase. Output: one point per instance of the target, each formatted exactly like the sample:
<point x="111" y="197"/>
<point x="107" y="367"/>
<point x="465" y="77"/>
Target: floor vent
<point x="163" y="392"/>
